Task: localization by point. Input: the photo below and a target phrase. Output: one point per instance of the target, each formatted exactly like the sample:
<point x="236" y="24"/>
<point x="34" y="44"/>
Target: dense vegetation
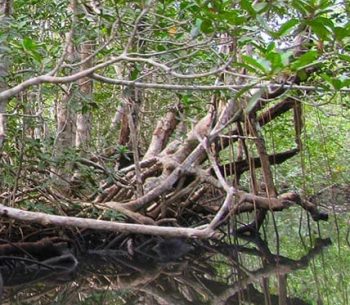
<point x="171" y="114"/>
<point x="196" y="119"/>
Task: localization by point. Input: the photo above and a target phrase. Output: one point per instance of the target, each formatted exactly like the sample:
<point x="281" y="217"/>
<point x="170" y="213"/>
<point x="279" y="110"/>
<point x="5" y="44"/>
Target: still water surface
<point x="302" y="263"/>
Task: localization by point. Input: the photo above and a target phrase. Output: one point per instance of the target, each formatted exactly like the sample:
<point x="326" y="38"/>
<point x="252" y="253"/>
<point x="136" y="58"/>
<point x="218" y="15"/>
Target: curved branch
<point x="55" y="80"/>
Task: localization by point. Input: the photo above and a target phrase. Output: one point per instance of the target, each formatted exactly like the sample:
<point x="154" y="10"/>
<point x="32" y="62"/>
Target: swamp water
<point x="301" y="263"/>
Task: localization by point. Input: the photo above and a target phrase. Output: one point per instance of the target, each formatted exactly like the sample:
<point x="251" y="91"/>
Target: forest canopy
<point x="171" y="117"/>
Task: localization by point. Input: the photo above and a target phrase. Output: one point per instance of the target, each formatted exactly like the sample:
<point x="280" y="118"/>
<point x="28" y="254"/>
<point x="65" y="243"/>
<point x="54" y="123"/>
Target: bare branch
<point x="200" y="87"/>
<point x="85" y="223"/>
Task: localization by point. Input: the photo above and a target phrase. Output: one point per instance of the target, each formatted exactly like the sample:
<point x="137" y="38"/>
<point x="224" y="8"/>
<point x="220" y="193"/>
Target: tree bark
<point x="6" y="7"/>
<point x="84" y="117"/>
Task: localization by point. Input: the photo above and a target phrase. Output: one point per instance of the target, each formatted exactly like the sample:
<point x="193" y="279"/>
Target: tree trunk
<point x="6" y="7"/>
<point x="83" y="120"/>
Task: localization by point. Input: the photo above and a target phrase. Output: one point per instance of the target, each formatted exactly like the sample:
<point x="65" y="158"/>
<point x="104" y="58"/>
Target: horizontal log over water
<point x="84" y="223"/>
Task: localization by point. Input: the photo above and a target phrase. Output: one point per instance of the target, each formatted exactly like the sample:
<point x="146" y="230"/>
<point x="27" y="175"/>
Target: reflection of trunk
<point x="255" y="297"/>
<point x="83" y="121"/>
<point x="282" y="289"/>
<point x="269" y="186"/>
<point x="5" y="12"/>
<point x="195" y="279"/>
<point x="198" y="282"/>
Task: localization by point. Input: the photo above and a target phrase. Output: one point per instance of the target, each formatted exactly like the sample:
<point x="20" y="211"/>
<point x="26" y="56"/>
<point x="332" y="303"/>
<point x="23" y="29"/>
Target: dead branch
<point x="86" y="223"/>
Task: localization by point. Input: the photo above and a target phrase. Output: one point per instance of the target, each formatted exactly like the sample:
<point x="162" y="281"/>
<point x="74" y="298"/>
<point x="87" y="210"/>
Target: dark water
<point x="300" y="263"/>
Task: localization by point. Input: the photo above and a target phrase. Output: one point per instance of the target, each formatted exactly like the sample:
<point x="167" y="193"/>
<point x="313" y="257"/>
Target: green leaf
<point x="271" y="47"/>
<point x="260" y="7"/>
<point x="305" y="60"/>
<point x="275" y="59"/>
<point x="302" y="75"/>
<point x="303" y="7"/>
<point x="232" y="17"/>
<point x="134" y="73"/>
<point x="327" y="78"/>
<point x="247" y="6"/>
<point x="29" y="44"/>
<point x="254" y="100"/>
<point x="337" y="83"/>
<point x="184" y="5"/>
<point x="207" y="26"/>
<point x="37" y="56"/>
<point x="287" y="27"/>
<point x="31" y="48"/>
<point x="341" y="33"/>
<point x="346" y="82"/>
<point x="344" y="57"/>
<point x="187" y="100"/>
<point x="84" y="109"/>
<point x="254" y="64"/>
<point x="321" y="26"/>
<point x="160" y="47"/>
<point x="285" y="56"/>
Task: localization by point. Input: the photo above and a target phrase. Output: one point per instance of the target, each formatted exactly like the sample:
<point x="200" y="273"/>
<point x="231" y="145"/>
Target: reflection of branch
<point x="256" y="297"/>
<point x="277" y="265"/>
<point x="177" y="282"/>
<point x="166" y="295"/>
<point x="18" y="271"/>
<point x="171" y="284"/>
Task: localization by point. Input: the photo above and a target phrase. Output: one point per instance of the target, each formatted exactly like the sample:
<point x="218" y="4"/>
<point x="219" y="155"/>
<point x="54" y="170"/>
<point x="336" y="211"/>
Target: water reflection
<point x="155" y="271"/>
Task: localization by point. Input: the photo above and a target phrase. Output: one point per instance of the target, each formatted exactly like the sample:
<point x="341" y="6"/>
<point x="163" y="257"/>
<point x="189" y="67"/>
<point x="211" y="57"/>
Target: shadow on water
<point x="150" y="271"/>
<point x="303" y="263"/>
